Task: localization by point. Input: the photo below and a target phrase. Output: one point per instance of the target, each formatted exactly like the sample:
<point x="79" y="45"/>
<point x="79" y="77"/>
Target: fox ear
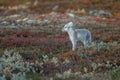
<point x="70" y="23"/>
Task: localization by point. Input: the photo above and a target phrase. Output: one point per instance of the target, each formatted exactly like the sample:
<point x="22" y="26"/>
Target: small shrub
<point x="115" y="75"/>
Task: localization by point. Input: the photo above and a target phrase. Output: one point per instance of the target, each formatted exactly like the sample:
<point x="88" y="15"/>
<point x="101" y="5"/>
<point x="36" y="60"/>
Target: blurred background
<point x="33" y="47"/>
<point x="46" y="6"/>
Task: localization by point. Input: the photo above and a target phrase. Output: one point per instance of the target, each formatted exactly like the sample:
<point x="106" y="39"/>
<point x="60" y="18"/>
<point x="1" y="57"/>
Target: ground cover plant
<point x="32" y="45"/>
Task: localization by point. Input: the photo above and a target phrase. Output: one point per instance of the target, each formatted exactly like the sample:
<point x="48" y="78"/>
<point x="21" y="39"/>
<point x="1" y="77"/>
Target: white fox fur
<point x="75" y="35"/>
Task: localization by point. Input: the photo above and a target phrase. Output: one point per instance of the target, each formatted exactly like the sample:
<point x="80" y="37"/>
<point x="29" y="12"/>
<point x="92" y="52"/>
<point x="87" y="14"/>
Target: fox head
<point x="67" y="27"/>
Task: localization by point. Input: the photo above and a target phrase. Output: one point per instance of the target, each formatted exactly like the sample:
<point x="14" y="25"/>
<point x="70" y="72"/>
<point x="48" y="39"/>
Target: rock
<point x="13" y="16"/>
<point x="99" y="12"/>
<point x="25" y="19"/>
<point x="4" y="23"/>
<point x="55" y="8"/>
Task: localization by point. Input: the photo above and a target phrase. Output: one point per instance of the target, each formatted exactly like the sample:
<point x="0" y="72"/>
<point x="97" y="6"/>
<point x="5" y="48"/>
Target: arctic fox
<point x="83" y="35"/>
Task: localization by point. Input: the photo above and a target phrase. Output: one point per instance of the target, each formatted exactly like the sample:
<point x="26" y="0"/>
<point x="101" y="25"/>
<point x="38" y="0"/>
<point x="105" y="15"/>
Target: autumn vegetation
<point x="32" y="45"/>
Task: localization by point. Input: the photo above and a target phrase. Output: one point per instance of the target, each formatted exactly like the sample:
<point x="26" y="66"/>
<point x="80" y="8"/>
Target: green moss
<point x="2" y="4"/>
<point x="35" y="76"/>
<point x="115" y="75"/>
<point x="87" y="78"/>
